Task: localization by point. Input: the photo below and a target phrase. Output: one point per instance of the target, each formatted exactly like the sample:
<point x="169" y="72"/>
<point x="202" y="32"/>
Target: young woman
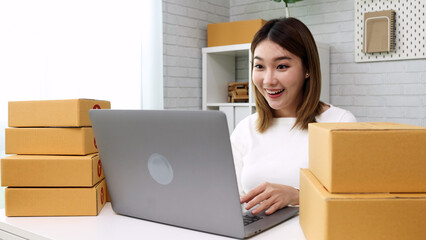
<point x="271" y="145"/>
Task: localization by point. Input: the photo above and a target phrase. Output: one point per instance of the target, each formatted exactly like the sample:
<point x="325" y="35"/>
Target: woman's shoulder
<point x="335" y="114"/>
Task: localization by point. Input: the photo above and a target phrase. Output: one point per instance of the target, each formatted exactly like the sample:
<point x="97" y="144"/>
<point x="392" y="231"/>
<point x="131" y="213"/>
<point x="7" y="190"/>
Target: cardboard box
<point x="51" y="171"/>
<point x="53" y="113"/>
<point x="229" y="33"/>
<point x="52" y="141"/>
<point x="326" y="216"/>
<point x="368" y="157"/>
<point x="55" y="201"/>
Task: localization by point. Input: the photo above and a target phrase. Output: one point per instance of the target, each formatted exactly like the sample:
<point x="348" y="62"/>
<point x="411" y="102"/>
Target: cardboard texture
<point x="51" y="171"/>
<point x="379" y="31"/>
<point x="368" y="157"/>
<point x="229" y="33"/>
<point x="53" y="113"/>
<point x="55" y="201"/>
<point x="326" y="216"/>
<point x="52" y="141"/>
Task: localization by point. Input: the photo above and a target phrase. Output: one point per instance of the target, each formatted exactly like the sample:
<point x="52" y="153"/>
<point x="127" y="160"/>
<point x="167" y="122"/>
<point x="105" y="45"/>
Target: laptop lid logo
<point x="160" y="169"/>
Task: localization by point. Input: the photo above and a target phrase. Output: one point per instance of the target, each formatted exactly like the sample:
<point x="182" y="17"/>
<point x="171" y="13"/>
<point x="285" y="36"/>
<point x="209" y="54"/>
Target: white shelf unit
<point x="219" y="69"/>
<point x="324" y="55"/>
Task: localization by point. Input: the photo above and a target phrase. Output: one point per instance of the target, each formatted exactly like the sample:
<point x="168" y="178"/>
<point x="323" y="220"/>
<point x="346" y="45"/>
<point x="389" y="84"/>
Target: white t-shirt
<point x="276" y="155"/>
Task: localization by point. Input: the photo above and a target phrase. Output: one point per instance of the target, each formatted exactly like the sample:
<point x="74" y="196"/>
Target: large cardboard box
<point x="84" y="201"/>
<point x="52" y="141"/>
<point x="51" y="171"/>
<point x="327" y="216"/>
<point x="368" y="157"/>
<point x="53" y="113"/>
<point x="229" y="33"/>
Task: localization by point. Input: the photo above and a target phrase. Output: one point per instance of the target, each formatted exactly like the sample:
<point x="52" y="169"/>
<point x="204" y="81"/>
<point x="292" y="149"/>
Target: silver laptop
<point x="175" y="167"/>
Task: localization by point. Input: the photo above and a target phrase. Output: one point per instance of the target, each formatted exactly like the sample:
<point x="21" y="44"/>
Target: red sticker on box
<point x="94" y="142"/>
<point x="96" y="106"/>
<point x="99" y="168"/>
<point x="102" y="195"/>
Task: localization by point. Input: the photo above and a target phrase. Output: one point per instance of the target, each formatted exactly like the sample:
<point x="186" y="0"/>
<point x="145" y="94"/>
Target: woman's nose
<point x="269" y="78"/>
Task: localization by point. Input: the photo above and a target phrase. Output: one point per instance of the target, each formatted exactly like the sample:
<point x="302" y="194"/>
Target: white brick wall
<point x="380" y="91"/>
<point x="185" y="33"/>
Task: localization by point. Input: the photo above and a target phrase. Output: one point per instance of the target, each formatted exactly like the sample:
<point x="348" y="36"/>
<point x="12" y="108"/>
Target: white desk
<point x="109" y="225"/>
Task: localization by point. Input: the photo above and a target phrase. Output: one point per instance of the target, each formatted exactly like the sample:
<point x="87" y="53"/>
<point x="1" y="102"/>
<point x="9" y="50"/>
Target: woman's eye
<point x="258" y="66"/>
<point x="282" y="66"/>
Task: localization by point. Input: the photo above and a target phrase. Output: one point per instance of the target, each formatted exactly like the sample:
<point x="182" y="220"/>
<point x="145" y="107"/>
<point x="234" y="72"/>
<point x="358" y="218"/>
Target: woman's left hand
<point x="270" y="196"/>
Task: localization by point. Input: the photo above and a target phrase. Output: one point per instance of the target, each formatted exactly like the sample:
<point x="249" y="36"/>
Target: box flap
<point x="342" y="196"/>
<point x="366" y="126"/>
<point x="49" y="157"/>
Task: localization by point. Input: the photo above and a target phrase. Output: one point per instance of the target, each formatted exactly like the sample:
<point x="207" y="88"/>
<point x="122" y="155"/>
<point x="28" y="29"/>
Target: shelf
<point x="230" y="104"/>
<point x="220" y="69"/>
<point x="232" y="50"/>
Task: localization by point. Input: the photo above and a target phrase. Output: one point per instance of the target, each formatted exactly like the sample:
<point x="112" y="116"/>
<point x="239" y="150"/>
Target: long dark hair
<point x="292" y="35"/>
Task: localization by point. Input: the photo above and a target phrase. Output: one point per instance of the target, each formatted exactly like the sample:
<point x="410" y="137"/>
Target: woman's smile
<point x="274" y="93"/>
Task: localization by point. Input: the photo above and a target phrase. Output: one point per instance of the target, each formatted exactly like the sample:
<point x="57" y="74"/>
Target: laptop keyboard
<point x="250" y="219"/>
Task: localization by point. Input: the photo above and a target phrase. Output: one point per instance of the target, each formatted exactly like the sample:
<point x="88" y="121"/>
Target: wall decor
<point x="410" y="29"/>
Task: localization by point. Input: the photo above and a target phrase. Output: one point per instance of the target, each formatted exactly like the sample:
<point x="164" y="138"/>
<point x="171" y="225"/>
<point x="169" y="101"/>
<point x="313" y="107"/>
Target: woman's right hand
<point x="270" y="197"/>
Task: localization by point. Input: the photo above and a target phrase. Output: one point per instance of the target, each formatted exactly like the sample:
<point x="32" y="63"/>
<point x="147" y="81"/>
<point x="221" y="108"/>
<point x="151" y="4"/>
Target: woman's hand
<point x="270" y="196"/>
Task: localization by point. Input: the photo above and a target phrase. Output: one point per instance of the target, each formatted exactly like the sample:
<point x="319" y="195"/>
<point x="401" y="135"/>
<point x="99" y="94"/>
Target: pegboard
<point x="410" y="29"/>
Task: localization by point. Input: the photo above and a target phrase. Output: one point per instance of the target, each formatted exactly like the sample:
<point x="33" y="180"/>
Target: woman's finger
<point x="253" y="193"/>
<point x="257" y="200"/>
<point x="263" y="206"/>
<point x="272" y="209"/>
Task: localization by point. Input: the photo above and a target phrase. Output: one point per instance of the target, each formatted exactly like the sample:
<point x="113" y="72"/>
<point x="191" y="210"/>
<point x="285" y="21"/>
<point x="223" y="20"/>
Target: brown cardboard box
<point x="51" y="171"/>
<point x="53" y="113"/>
<point x="85" y="201"/>
<point x="326" y="216"/>
<point x="52" y="141"/>
<point x="229" y="33"/>
<point x="368" y="157"/>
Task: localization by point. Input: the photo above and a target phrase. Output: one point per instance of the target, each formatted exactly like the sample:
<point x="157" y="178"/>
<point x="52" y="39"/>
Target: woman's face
<point x="279" y="76"/>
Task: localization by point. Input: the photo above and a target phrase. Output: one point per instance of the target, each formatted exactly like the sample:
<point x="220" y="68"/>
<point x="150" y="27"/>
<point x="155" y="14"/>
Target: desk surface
<point x="109" y="225"/>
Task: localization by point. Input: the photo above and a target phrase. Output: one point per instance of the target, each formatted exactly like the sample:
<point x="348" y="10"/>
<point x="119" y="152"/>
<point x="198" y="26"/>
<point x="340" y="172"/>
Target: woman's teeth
<point x="274" y="92"/>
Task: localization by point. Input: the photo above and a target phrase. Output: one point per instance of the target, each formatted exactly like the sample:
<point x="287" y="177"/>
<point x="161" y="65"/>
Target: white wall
<point x="53" y="49"/>
<point x="80" y="49"/>
<point x="152" y="55"/>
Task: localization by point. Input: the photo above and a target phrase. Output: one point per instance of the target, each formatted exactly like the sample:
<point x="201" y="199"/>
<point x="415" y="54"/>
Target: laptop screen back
<point x="170" y="166"/>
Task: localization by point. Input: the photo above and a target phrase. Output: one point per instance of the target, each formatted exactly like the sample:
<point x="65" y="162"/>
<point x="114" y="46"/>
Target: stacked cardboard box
<point x="365" y="181"/>
<point x="56" y="170"/>
<point x="229" y="33"/>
